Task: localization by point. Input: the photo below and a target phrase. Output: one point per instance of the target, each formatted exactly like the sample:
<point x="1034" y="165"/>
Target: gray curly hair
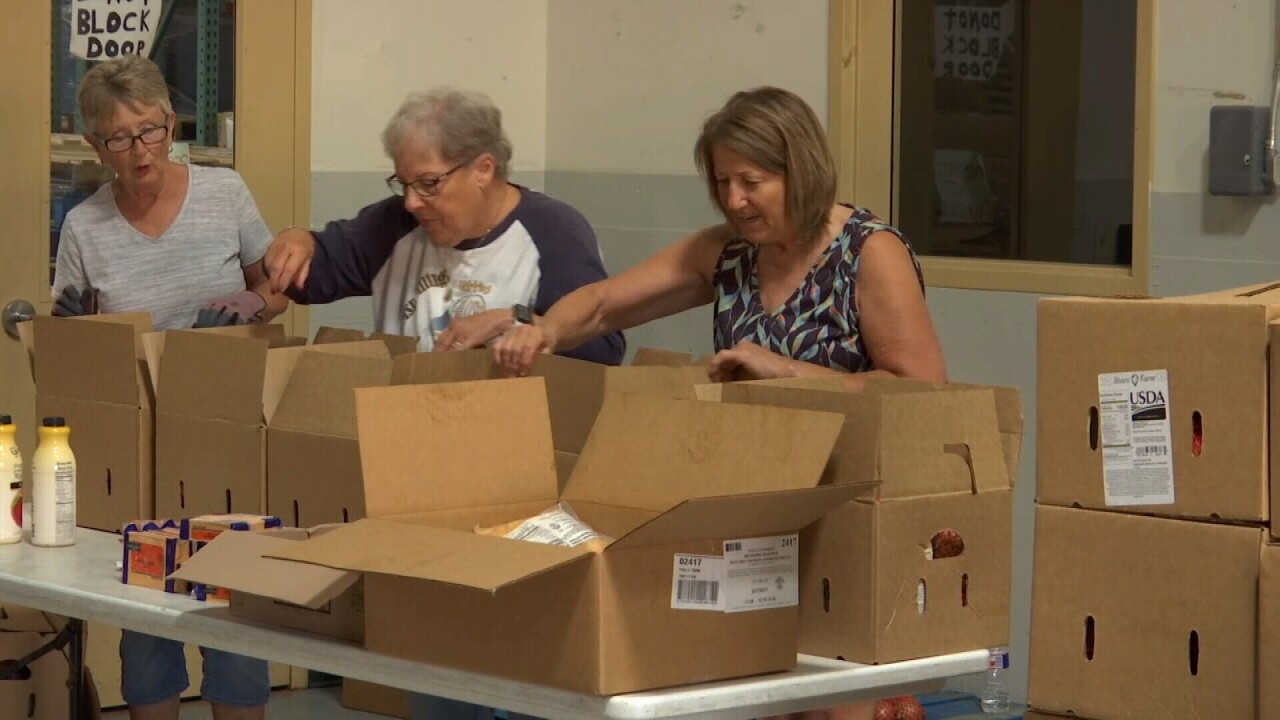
<point x="459" y="124"/>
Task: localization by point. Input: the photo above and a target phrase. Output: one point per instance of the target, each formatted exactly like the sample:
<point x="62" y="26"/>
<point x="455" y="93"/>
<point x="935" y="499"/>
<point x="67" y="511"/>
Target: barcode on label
<point x="1150" y="450"/>
<point x="698" y="592"/>
<point x="733" y="547"/>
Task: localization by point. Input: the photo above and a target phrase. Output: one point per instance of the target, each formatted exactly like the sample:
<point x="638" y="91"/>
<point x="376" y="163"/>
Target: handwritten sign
<point x="105" y="29"/>
<point x="968" y="40"/>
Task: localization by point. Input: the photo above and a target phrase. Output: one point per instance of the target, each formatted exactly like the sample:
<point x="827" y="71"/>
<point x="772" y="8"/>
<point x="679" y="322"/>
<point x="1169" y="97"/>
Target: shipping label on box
<point x="1137" y="447"/>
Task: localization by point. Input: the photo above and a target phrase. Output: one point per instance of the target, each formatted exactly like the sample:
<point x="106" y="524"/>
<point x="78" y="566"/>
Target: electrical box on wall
<point x="1239" y="163"/>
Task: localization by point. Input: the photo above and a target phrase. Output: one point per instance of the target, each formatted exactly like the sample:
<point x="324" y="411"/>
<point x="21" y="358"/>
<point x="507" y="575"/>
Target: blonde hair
<point x="777" y="131"/>
<point x="459" y="125"/>
<point x="131" y="80"/>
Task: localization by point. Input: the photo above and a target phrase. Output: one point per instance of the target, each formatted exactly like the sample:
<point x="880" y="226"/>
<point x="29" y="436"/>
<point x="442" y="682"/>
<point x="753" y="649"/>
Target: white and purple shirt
<point x="543" y="250"/>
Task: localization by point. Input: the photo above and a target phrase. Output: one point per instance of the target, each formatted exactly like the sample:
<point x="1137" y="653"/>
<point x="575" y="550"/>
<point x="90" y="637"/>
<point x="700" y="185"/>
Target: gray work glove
<point x="74" y="302"/>
<point x="242" y="308"/>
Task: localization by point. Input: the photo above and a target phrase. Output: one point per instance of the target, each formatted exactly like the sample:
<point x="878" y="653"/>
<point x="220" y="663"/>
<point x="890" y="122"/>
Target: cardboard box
<point x="277" y="592"/>
<point x="313" y="459"/>
<point x="93" y="372"/>
<point x="1269" y="633"/>
<point x="215" y="395"/>
<point x="396" y="344"/>
<point x="575" y="388"/>
<point x="372" y="698"/>
<point x="873" y="589"/>
<point x="1141" y="617"/>
<point x="665" y="358"/>
<point x="41" y="695"/>
<point x="663" y="476"/>
<point x="1210" y="350"/>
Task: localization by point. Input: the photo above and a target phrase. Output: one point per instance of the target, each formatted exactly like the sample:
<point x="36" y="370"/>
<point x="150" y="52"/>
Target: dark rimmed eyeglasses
<point x="148" y="136"/>
<point x="425" y="185"/>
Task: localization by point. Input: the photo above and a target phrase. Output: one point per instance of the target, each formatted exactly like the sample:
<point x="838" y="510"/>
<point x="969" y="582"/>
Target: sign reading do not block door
<point x="106" y="29"/>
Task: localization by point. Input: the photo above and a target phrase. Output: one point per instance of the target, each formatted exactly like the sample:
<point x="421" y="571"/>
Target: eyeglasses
<point x="425" y="186"/>
<point x="149" y="136"/>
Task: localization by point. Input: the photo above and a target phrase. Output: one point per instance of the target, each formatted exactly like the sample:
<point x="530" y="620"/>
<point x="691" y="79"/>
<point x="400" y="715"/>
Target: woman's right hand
<point x="288" y="259"/>
<point x="516" y="349"/>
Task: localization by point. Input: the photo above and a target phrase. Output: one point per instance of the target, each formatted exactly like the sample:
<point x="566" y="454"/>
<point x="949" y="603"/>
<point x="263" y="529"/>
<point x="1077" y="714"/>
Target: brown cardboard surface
<point x="737" y="449"/>
<point x="1148" y="587"/>
<point x="648" y="357"/>
<point x="113" y="448"/>
<point x="212" y="376"/>
<point x="313" y="479"/>
<point x="938" y="457"/>
<point x="603" y="620"/>
<point x="1222" y="375"/>
<point x="313" y="458"/>
<point x="238" y="561"/>
<point x="96" y="358"/>
<point x="1269" y="633"/>
<point x="470" y="420"/>
<point x="208" y="466"/>
<point x="373" y="698"/>
<point x="1273" y="422"/>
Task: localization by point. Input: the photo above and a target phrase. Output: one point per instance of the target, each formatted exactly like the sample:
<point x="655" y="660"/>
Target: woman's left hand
<point x="748" y="361"/>
<point x="476" y="330"/>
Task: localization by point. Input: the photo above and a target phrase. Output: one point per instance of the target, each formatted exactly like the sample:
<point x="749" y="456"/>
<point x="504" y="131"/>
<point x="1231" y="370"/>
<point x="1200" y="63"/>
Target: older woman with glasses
<point x="458" y="255"/>
<point x="183" y="243"/>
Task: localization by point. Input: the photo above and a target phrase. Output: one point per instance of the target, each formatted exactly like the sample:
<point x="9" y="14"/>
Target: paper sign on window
<point x="106" y="29"/>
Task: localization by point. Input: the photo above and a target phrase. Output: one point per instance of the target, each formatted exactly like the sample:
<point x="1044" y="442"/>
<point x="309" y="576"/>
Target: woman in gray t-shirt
<point x="163" y="238"/>
<point x="184" y="244"/>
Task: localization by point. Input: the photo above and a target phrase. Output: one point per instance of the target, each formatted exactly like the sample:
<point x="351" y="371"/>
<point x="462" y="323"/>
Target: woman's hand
<point x="474" y="331"/>
<point x="516" y="349"/>
<point x="748" y="361"/>
<point x="288" y="259"/>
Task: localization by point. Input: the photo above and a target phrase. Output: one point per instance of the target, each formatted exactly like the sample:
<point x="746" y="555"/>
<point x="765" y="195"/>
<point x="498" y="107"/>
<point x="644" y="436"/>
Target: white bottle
<point x="53" y="486"/>
<point x="10" y="483"/>
<point x="995" y="693"/>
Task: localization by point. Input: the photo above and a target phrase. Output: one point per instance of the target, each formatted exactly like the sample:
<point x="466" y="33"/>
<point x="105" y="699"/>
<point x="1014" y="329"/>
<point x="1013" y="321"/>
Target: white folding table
<point x="81" y="582"/>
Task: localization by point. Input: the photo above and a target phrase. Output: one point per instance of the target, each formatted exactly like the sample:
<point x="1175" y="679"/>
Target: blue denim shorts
<point x="154" y="669"/>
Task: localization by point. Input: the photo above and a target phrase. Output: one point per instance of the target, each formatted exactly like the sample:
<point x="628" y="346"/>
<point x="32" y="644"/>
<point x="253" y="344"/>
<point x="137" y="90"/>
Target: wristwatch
<point x="522" y="314"/>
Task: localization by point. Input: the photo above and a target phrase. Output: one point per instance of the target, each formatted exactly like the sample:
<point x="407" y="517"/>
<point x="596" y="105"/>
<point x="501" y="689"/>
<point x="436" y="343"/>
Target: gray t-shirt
<point x="200" y="257"/>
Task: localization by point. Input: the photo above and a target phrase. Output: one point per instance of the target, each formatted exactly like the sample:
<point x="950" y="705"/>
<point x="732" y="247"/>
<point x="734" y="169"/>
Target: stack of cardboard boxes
<point x="1153" y="476"/>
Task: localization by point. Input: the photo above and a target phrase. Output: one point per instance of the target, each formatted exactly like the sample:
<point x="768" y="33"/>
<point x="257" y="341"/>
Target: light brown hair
<point x="131" y="80"/>
<point x="776" y="130"/>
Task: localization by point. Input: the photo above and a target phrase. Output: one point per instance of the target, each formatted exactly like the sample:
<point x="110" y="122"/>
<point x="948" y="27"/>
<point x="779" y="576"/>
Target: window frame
<point x="863" y="106"/>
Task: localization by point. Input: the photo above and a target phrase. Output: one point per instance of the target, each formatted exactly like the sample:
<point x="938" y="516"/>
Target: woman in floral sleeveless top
<point x="801" y="285"/>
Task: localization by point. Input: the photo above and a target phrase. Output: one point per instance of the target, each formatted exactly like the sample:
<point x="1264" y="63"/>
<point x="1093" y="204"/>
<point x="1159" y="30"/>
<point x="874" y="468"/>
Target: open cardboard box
<point x="313" y="458"/>
<point x="1144" y="617"/>
<point x="575" y="388"/>
<point x="1212" y="352"/>
<point x="667" y="478"/>
<point x="396" y="344"/>
<point x="872" y="588"/>
<point x="278" y="592"/>
<point x="1269" y="633"/>
<point x="41" y="695"/>
<point x="93" y="371"/>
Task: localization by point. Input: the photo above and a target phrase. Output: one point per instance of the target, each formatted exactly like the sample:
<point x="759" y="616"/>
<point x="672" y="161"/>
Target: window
<point x="1009" y="139"/>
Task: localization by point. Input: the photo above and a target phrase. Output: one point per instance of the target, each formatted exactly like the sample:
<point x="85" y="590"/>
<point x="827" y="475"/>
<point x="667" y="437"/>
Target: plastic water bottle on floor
<point x="995" y="693"/>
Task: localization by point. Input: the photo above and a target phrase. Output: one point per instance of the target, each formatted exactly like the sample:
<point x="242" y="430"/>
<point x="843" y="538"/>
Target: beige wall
<point x="368" y="55"/>
<point x="629" y="83"/>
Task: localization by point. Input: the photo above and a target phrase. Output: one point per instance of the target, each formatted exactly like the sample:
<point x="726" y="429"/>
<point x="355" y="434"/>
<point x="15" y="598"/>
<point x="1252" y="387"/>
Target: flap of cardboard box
<point x="650" y="357"/>
<point x="1009" y="417"/>
<point x="360" y="348"/>
<point x="574" y="392"/>
<point x="96" y="358"/>
<point x="425" y="448"/>
<point x="326" y="334"/>
<point x="212" y="375"/>
<point x="397" y="344"/>
<point x="667" y="381"/>
<point x="456" y="557"/>
<point x="1262" y="294"/>
<point x="243" y="562"/>
<point x="318" y="397"/>
<point x="652" y="453"/>
<point x="940" y="442"/>
<point x="739" y="516"/>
